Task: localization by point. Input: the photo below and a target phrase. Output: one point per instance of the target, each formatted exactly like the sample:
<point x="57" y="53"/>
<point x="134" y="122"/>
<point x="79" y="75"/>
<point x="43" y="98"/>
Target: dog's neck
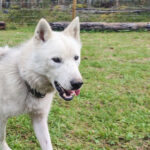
<point x="36" y="84"/>
<point x="34" y="92"/>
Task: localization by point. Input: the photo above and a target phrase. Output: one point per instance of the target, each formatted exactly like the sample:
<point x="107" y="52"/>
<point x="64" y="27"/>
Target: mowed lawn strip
<point x="113" y="109"/>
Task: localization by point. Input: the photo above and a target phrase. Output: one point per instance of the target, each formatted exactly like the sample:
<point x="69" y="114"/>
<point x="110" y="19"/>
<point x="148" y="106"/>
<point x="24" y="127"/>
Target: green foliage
<point x="81" y="6"/>
<point x="117" y="17"/>
<point x="112" y="112"/>
<point x="24" y="16"/>
<point x="31" y="16"/>
<point x="15" y="7"/>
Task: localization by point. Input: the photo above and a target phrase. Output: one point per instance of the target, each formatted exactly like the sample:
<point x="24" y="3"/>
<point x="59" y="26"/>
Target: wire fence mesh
<point x="30" y="11"/>
<point x="113" y="4"/>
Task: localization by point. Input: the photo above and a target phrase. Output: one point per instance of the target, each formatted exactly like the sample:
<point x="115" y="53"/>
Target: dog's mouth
<point x="66" y="94"/>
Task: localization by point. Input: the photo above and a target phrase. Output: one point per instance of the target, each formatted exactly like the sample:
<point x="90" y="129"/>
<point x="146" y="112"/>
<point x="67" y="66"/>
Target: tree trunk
<point x="2" y="25"/>
<point x="8" y="3"/>
<point x="102" y="26"/>
<point x="59" y="2"/>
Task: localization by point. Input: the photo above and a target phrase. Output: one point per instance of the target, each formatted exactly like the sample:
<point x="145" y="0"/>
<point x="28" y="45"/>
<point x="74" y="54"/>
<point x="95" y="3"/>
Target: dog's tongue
<point x="77" y="92"/>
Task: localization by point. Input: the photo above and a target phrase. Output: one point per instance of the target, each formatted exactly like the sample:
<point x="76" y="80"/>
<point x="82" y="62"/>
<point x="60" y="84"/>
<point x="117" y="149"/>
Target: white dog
<point x="30" y="75"/>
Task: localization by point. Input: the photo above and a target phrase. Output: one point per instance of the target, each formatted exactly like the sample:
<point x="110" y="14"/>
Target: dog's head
<point x="56" y="55"/>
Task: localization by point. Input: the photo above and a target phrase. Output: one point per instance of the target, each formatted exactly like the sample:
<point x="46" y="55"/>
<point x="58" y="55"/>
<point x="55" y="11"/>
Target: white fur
<point x="32" y="62"/>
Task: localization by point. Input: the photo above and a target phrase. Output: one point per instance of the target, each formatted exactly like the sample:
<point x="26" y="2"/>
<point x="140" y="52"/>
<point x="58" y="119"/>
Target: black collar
<point x="34" y="92"/>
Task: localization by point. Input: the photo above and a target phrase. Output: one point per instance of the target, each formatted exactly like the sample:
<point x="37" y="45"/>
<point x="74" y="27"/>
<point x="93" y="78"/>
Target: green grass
<point x="113" y="109"/>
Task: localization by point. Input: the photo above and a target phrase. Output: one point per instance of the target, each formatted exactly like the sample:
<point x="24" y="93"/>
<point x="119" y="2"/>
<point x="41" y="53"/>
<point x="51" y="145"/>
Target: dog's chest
<point x="38" y="105"/>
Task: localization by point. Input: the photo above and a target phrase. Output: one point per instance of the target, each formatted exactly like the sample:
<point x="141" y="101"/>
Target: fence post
<point x="117" y="4"/>
<point x="74" y="9"/>
<point x="0" y="5"/>
<point x="89" y="2"/>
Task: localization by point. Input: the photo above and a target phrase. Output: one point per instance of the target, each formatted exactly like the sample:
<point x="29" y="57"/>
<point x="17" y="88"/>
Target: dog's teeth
<point x="72" y="94"/>
<point x="64" y="94"/>
<point x="68" y="94"/>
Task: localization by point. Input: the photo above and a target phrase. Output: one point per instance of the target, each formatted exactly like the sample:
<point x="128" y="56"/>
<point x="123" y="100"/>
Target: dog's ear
<point x="74" y="29"/>
<point x="43" y="31"/>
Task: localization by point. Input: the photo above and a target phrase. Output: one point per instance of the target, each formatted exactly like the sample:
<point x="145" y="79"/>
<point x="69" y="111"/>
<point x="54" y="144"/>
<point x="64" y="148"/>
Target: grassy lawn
<point x="113" y="109"/>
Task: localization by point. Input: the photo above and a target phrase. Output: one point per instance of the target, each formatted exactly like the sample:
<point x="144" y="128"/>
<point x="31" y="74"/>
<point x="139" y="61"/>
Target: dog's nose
<point x="76" y="84"/>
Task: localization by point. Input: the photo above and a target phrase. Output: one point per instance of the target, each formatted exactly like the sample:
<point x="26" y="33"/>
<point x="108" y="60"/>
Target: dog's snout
<point x="76" y="84"/>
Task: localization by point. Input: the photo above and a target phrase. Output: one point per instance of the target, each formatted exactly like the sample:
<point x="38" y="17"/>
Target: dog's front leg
<point x="3" y="144"/>
<point x="41" y="130"/>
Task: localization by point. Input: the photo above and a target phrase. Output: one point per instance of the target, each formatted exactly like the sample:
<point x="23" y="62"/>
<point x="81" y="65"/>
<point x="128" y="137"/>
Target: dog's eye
<point x="76" y="57"/>
<point x="57" y="60"/>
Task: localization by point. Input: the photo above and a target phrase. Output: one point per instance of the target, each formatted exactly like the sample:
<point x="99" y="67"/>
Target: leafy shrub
<point x="15" y="7"/>
<point x="81" y="6"/>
